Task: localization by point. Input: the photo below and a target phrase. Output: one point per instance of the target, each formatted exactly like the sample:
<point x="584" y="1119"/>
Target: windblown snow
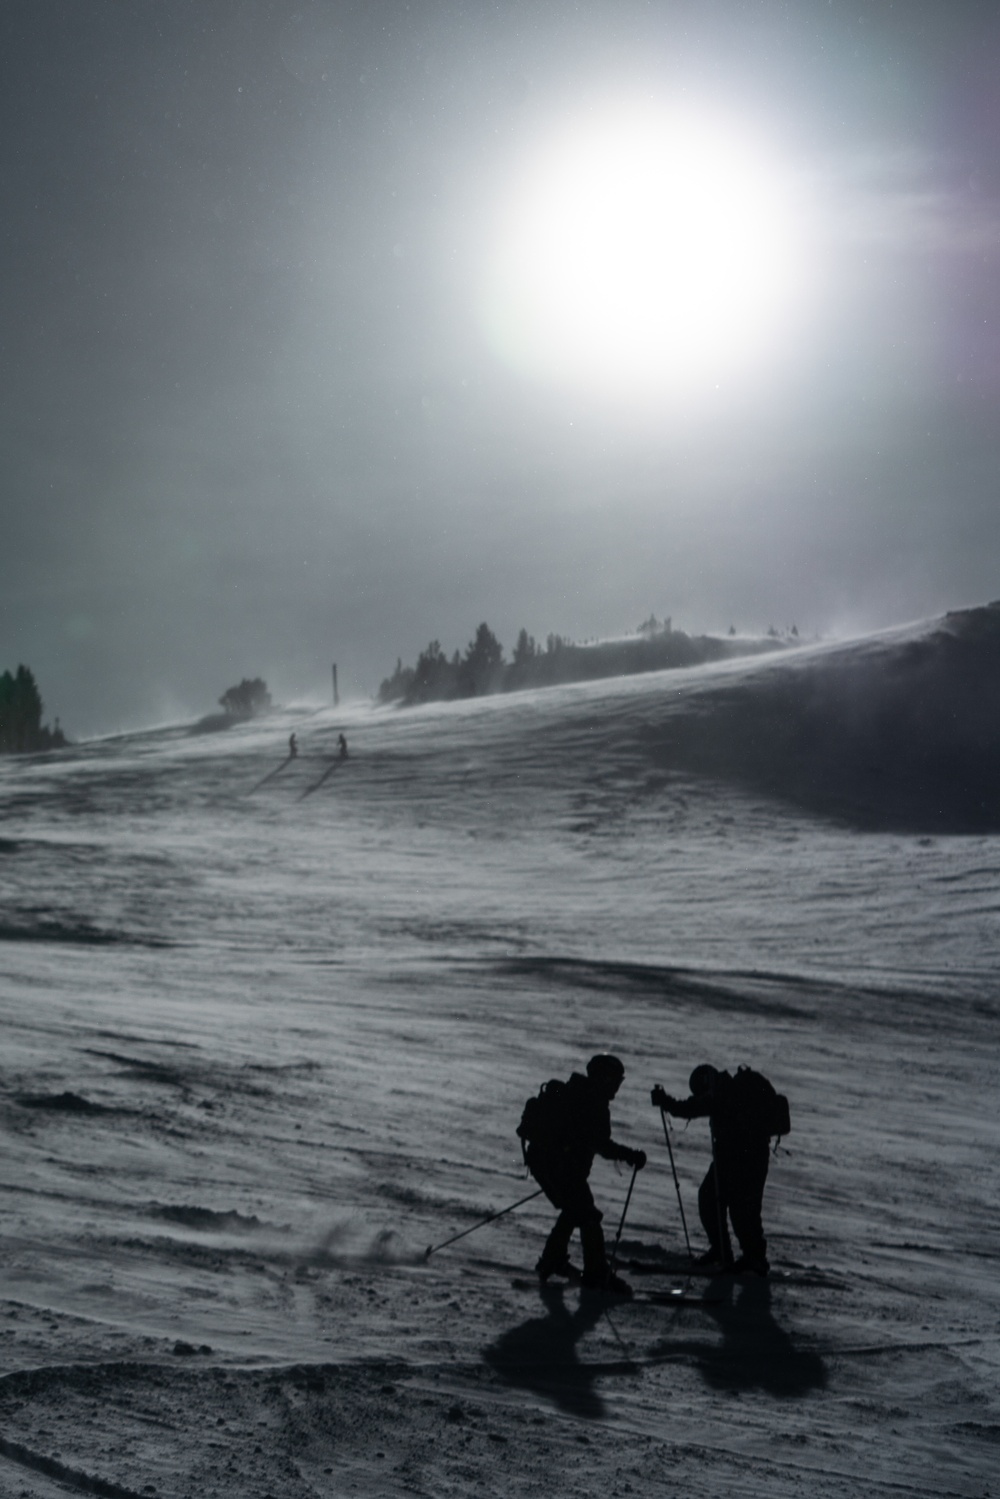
<point x="267" y="1043"/>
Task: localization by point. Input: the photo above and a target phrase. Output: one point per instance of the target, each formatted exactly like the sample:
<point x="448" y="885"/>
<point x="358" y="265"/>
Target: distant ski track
<point x="271" y="774"/>
<point x="323" y="778"/>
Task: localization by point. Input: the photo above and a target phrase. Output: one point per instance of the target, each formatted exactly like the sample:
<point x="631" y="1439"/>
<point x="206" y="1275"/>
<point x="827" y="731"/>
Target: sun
<point x="643" y="248"/>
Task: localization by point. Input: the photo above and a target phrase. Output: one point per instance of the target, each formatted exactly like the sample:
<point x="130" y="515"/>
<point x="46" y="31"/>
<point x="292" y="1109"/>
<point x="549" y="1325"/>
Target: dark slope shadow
<point x="660" y="981"/>
<point x="755" y="1353"/>
<point x="65" y="1103"/>
<point x="32" y="924"/>
<point x="540" y="1355"/>
<point x="886" y="735"/>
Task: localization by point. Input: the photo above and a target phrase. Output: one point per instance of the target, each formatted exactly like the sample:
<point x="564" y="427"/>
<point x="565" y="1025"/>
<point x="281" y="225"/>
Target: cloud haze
<point x="252" y="423"/>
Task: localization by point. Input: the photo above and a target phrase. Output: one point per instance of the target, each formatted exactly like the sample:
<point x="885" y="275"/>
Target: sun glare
<point x="640" y="249"/>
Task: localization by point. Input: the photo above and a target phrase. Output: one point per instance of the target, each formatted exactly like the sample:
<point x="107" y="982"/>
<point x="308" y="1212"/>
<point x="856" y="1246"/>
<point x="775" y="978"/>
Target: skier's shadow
<point x="755" y="1352"/>
<point x="541" y="1355"/>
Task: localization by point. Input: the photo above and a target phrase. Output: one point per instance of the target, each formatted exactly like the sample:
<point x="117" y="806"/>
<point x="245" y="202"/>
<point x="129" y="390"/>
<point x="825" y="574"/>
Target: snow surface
<point x="265" y="1046"/>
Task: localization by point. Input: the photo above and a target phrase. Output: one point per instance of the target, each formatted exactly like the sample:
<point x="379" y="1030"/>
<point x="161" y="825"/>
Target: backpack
<point x="762" y="1102"/>
<point x="544" y="1119"/>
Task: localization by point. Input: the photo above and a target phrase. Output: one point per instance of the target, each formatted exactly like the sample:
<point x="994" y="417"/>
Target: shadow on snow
<point x="541" y="1355"/>
<point x="755" y="1352"/>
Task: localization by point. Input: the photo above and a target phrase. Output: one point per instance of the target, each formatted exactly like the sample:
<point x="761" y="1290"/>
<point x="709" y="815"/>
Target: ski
<point x="676" y="1297"/>
<point x="678" y="1269"/>
<point x="802" y="1276"/>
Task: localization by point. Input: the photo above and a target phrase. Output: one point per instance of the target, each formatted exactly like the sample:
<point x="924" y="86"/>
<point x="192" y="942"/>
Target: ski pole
<point x="433" y="1248"/>
<point x="628" y="1199"/>
<point x="680" y="1204"/>
<point x="720" y="1215"/>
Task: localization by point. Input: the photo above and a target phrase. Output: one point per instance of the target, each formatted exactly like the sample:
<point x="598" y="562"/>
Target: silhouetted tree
<point x="21" y="727"/>
<point x="482" y="667"/>
<point x="525" y="650"/>
<point x="248" y="699"/>
<point x="434" y="676"/>
<point x="393" y="689"/>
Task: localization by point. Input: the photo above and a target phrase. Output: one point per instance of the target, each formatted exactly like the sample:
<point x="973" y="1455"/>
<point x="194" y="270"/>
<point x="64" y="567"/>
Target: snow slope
<point x="264" y="1046"/>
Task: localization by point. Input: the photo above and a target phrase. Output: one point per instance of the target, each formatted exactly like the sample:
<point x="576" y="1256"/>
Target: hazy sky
<point x="329" y="328"/>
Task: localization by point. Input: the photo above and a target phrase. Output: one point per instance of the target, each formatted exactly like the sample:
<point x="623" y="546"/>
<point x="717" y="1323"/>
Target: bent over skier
<point x="561" y="1132"/>
<point x="743" y="1113"/>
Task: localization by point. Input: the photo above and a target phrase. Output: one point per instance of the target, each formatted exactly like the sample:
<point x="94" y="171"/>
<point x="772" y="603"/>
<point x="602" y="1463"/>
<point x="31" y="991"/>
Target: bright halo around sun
<point x="644" y="248"/>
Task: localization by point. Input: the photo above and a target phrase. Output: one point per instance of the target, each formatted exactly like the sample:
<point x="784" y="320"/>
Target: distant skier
<point x="743" y="1113"/>
<point x="342" y="742"/>
<point x="293" y="747"/>
<point x="561" y="1131"/>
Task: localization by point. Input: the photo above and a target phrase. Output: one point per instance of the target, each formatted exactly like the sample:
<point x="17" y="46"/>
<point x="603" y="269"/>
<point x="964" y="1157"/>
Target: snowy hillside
<point x="268" y="1040"/>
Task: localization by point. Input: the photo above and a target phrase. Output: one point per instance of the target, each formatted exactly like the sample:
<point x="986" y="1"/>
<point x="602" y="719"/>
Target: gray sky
<point x="256" y="412"/>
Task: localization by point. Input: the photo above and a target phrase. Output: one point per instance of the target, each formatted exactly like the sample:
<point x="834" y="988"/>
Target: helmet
<point x="702" y="1079"/>
<point x="604" y="1065"/>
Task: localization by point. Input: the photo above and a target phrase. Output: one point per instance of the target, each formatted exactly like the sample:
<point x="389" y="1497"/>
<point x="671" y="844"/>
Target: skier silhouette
<point x="561" y="1131"/>
<point x="743" y="1113"/>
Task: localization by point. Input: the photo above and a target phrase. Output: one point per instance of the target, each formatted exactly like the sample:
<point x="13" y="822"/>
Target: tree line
<point x="21" y="727"/>
<point x="482" y="669"/>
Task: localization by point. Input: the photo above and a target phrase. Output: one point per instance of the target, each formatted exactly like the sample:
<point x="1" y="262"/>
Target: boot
<point x="597" y="1274"/>
<point x="555" y="1256"/>
<point x="606" y="1283"/>
<point x="712" y="1260"/>
<point x="752" y="1265"/>
<point x="563" y="1268"/>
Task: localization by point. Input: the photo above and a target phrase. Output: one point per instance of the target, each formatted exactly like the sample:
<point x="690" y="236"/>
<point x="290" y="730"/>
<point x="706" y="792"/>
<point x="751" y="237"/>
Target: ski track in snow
<point x="262" y="1051"/>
